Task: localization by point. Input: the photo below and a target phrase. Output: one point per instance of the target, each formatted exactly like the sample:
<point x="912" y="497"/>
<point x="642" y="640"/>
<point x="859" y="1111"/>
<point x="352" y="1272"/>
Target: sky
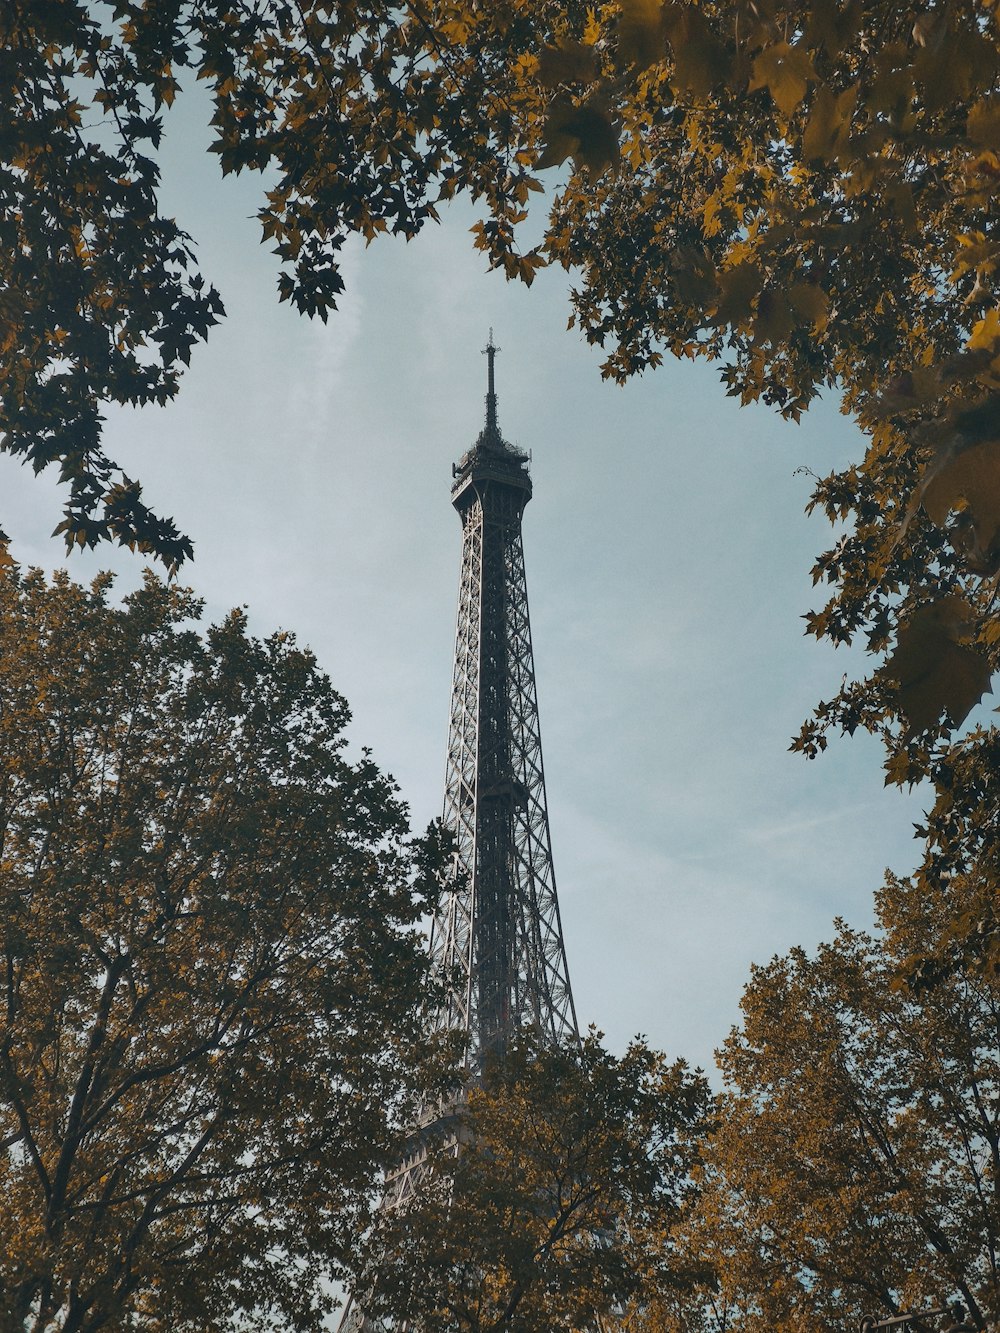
<point x="667" y="555"/>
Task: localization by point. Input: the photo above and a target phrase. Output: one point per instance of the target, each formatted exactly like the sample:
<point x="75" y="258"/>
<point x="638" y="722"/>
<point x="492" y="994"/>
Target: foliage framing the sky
<point x="854" y="1171"/>
<point x="806" y="192"/>
<point x="211" y="968"/>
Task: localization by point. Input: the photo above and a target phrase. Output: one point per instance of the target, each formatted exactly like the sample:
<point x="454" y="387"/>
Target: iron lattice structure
<point x="496" y="939"/>
<point x="497" y="935"/>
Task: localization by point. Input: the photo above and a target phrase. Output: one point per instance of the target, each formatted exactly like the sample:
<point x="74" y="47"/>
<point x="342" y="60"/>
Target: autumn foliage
<point x="854" y="1169"/>
<point x="574" y="1167"/>
<point x="210" y="979"/>
<point x="807" y="194"/>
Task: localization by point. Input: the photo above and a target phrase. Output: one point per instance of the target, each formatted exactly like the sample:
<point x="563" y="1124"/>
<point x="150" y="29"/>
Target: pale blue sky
<point x="667" y="558"/>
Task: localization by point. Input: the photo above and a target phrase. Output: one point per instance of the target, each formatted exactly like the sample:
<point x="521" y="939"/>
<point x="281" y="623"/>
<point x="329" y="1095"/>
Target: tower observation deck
<point x="496" y="940"/>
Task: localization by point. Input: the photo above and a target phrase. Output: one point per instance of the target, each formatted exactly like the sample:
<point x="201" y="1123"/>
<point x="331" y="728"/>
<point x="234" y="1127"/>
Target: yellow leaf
<point x="711" y="221"/>
<point x="986" y="331"/>
<point x="640" y="33"/>
<point x="785" y="71"/>
<point x="983" y="124"/>
<point x="935" y="671"/>
<point x="975" y="252"/>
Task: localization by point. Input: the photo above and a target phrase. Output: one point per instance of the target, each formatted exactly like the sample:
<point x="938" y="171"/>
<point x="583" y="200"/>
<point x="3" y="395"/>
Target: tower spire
<point x="492" y="427"/>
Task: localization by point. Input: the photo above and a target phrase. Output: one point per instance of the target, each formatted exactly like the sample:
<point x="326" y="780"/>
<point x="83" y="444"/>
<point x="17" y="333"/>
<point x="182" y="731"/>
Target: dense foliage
<point x="573" y="1167"/>
<point x="805" y="191"/>
<point x="210" y="975"/>
<point x="856" y="1167"/>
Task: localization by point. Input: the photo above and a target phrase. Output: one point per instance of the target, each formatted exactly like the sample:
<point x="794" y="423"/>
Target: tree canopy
<point x="805" y="192"/>
<point x="211" y="974"/>
<point x="574" y="1165"/>
<point x="856" y="1162"/>
<point x="806" y="188"/>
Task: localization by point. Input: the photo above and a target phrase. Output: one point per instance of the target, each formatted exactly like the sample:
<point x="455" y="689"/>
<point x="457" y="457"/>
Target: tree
<point x="856" y="1166"/>
<point x="772" y="167"/>
<point x="349" y="106"/>
<point x="806" y="192"/>
<point x="210" y="969"/>
<point x="572" y="1166"/>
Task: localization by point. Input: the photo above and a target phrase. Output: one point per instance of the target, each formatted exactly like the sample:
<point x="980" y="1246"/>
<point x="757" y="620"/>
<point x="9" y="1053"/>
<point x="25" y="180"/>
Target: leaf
<point x="568" y="61"/>
<point x="976" y="253"/>
<point x="900" y="195"/>
<point x="972" y="478"/>
<point x="693" y="276"/>
<point x="785" y="72"/>
<point x="583" y="132"/>
<point x="935" y="671"/>
<point x="701" y="62"/>
<point x="929" y="29"/>
<point x="774" y="317"/>
<point x="810" y="301"/>
<point x="899" y="770"/>
<point x="833" y="27"/>
<point x="983" y="123"/>
<point x="738" y="287"/>
<point x="640" y="33"/>
<point x="908" y="391"/>
<point x="952" y="68"/>
<point x="985" y="331"/>
<point x="828" y="129"/>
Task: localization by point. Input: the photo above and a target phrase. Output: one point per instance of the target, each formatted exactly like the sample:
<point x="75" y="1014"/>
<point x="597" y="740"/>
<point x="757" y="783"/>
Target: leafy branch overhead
<point x="807" y="193"/>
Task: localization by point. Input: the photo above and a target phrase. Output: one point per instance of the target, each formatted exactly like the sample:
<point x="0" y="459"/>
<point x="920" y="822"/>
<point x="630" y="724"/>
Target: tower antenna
<point x="490" y="351"/>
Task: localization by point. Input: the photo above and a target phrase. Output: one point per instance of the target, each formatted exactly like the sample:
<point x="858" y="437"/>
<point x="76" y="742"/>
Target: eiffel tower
<point x="498" y="928"/>
<point x="496" y="939"/>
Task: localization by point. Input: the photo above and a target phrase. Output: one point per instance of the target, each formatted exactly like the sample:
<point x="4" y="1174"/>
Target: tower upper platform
<point x="491" y="458"/>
